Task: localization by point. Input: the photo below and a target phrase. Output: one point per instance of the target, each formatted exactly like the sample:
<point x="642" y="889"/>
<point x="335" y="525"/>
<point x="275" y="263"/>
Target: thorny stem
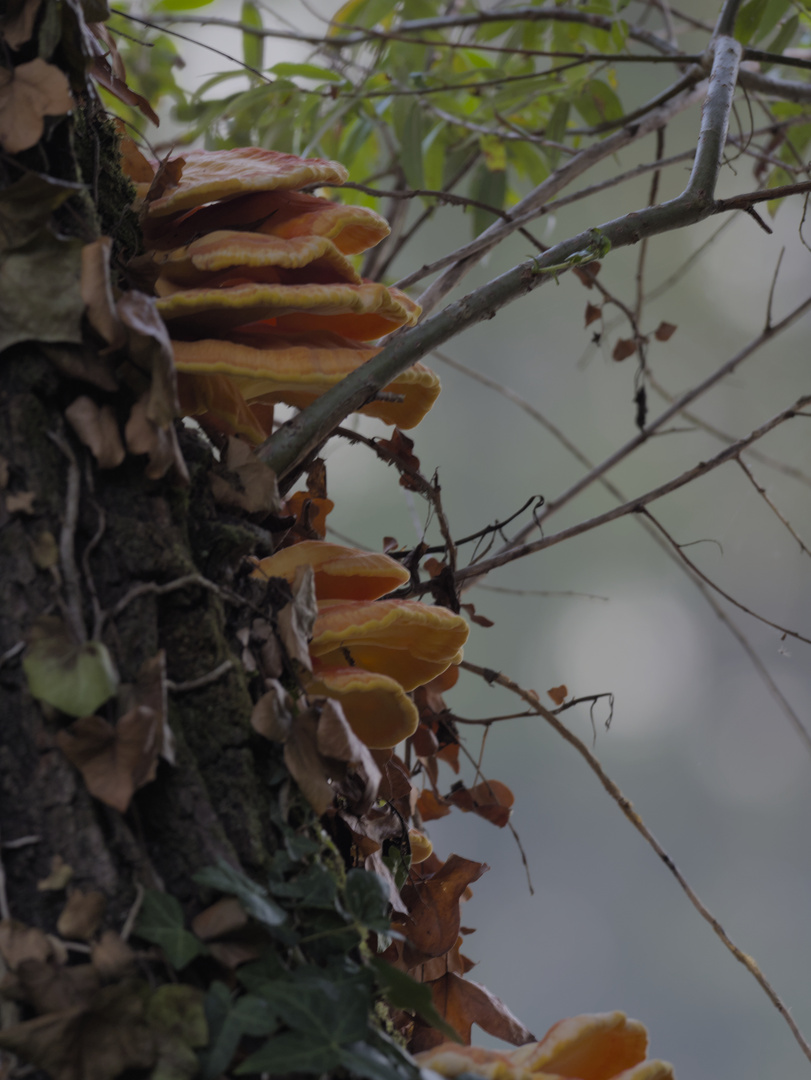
<point x="627" y="807"/>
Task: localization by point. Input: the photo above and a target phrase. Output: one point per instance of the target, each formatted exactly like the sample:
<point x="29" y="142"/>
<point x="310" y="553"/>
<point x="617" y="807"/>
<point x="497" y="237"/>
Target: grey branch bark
<point x="290" y="446"/>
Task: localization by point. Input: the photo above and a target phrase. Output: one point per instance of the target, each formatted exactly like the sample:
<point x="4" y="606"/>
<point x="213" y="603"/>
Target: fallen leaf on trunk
<point x="114" y="761"/>
<point x="97" y="428"/>
<point x="19" y="942"/>
<point x="82" y="914"/>
<point x="29" y="93"/>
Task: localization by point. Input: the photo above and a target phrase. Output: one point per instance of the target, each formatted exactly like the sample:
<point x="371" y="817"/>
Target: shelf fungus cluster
<point x="256" y="282"/>
<point x="368" y="653"/>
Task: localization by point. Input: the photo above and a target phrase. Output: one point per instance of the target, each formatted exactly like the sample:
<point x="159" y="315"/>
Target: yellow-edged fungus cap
<point x="362" y="312"/>
<point x="295" y="369"/>
<point x="341" y="573"/>
<point x="376" y="707"/>
<point x="252" y="256"/>
<point x="285" y="214"/>
<point x="407" y="640"/>
<point x="211" y="175"/>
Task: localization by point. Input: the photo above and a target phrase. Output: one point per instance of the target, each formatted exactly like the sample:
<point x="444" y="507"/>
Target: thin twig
<point x="627" y="808"/>
<point x="67" y="540"/>
<point x="552" y="506"/>
<point x="678" y="548"/>
<point x="511" y="553"/>
<point x="762" y="492"/>
<point x="204" y="680"/>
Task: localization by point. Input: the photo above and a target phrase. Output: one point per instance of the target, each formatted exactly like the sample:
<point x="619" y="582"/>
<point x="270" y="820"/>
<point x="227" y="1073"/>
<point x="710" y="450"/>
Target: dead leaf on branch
<point x="479" y="620"/>
<point x="664" y="331"/>
<point x="257" y="490"/>
<point x="29" y="93"/>
<point x="434" y="918"/>
<point x="463" y="1003"/>
<point x="491" y="800"/>
<point x="431" y="806"/>
<point x="399" y="450"/>
<point x="593" y="313"/>
<point x="624" y="348"/>
<point x="103" y="73"/>
<point x="559" y="693"/>
<point x="114" y="761"/>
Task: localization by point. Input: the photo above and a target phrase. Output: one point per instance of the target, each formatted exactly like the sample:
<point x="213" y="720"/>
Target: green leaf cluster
<point x="309" y="1003"/>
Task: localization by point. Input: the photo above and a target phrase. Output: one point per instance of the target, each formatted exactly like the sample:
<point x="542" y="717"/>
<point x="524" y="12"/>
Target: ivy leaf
<point x="254" y="898"/>
<point x="160" y="921"/>
<point x="228" y="1021"/>
<point x="74" y="677"/>
<point x="403" y="992"/>
<point x="292" y="1052"/>
<point x="366" y="900"/>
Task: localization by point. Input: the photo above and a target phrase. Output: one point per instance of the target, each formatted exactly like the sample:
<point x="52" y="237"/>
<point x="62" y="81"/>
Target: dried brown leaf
<point x="97" y="291"/>
<point x="593" y="313"/>
<point x="305" y="764"/>
<point x="49" y="988"/>
<point x="114" y="761"/>
<point x="399" y="449"/>
<point x="19" y="942"/>
<point x="491" y="800"/>
<point x="433" y="921"/>
<point x="97" y="428"/>
<point x="111" y="957"/>
<point x="144" y="436"/>
<point x="559" y="693"/>
<point x="29" y="93"/>
<point x="98" y="1042"/>
<point x="82" y="914"/>
<point x="664" y="331"/>
<point x="102" y="72"/>
<point x="624" y="348"/>
<point x="272" y="714"/>
<point x="431" y="806"/>
<point x="224" y="917"/>
<point x="463" y="1003"/>
<point x="479" y="620"/>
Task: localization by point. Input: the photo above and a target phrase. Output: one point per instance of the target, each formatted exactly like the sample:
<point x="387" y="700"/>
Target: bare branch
<point x="511" y="553"/>
<point x="627" y="808"/>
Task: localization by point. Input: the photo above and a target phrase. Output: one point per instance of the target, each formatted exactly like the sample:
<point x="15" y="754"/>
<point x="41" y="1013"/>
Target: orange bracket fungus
<point x="376" y="707"/>
<point x="410" y="641"/>
<point x="604" y="1046"/>
<point x="254" y="280"/>
<point x="341" y="573"/>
